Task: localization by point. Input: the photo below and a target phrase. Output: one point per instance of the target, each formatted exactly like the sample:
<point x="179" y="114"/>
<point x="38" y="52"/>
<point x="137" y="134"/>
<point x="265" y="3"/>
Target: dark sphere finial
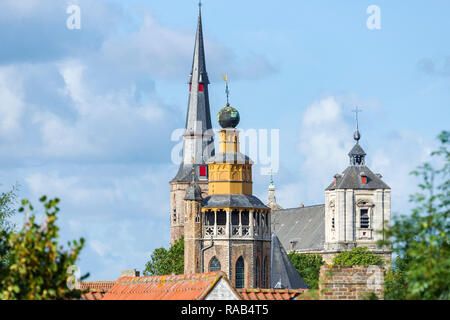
<point x="228" y="117"/>
<point x="357" y="136"/>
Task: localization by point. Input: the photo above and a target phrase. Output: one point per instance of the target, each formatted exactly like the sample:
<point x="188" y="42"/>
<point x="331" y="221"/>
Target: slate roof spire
<point x="357" y="154"/>
<point x="198" y="140"/>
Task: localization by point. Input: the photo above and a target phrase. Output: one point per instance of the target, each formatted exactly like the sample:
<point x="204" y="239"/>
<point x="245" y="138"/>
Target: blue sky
<point x="87" y="115"/>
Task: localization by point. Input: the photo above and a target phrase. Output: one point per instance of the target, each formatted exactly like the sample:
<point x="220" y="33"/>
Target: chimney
<point x="302" y="205"/>
<point x="130" y="273"/>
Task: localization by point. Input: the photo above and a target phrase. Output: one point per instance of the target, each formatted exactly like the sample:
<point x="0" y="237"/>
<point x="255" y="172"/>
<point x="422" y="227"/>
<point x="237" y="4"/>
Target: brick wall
<point x="350" y="283"/>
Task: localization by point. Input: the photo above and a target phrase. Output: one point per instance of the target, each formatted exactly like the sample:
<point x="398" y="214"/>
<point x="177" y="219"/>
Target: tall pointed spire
<point x="198" y="141"/>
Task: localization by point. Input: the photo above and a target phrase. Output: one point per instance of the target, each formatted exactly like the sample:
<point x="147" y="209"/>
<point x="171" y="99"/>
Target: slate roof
<point x="283" y="274"/>
<point x="304" y="226"/>
<point x="357" y="150"/>
<point x="233" y="201"/>
<point x="176" y="287"/>
<point x="193" y="192"/>
<point x="270" y="294"/>
<point x="351" y="179"/>
<point x="198" y="117"/>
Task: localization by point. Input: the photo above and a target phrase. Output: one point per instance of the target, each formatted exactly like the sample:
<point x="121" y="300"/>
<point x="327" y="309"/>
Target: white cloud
<point x="11" y="106"/>
<point x="325" y="138"/>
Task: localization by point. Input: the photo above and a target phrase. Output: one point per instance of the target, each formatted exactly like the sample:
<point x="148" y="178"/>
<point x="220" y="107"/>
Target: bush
<point x="308" y="266"/>
<point x="359" y="256"/>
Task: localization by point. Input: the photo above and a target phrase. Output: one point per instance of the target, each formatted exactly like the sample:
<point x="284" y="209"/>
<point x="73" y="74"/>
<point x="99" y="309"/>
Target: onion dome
<point x="228" y="117"/>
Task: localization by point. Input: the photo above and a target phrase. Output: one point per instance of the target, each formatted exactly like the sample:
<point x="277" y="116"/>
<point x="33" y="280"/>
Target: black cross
<point x="356" y="111"/>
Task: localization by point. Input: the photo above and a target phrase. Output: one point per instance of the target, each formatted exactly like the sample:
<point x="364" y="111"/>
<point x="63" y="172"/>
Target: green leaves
<point x="165" y="262"/>
<point x="359" y="256"/>
<point x="421" y="240"/>
<point x="308" y="266"/>
<point x="37" y="266"/>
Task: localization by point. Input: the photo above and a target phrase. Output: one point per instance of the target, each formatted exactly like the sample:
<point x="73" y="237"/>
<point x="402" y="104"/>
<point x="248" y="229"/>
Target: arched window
<point x="214" y="265"/>
<point x="264" y="273"/>
<point x="240" y="275"/>
<point x="257" y="273"/>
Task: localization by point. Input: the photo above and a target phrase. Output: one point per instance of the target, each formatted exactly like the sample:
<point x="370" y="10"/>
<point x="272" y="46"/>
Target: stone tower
<point x="236" y="235"/>
<point x="198" y="143"/>
<point x="357" y="203"/>
<point x="193" y="228"/>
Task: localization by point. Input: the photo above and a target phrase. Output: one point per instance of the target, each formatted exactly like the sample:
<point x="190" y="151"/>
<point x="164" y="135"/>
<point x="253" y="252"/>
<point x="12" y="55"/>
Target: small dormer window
<point x="363" y="177"/>
<point x="203" y="172"/>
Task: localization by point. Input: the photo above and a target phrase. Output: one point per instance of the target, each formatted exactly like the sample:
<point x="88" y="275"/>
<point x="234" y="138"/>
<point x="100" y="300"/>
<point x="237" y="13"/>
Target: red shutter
<point x="190" y="87"/>
<point x="202" y="171"/>
<point x="364" y="180"/>
<point x="200" y="87"/>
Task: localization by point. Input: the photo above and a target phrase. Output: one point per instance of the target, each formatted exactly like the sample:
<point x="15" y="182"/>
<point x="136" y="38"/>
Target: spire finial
<point x="227" y="90"/>
<point x="357" y="135"/>
<point x="271" y="177"/>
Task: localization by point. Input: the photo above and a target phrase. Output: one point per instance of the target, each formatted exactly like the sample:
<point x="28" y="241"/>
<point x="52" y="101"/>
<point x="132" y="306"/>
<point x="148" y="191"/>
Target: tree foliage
<point x="308" y="266"/>
<point x="165" y="262"/>
<point x="359" y="256"/>
<point x="421" y="240"/>
<point x="7" y="210"/>
<point x="37" y="265"/>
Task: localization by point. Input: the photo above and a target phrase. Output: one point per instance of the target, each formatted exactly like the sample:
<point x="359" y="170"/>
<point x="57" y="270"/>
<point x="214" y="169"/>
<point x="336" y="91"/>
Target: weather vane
<point x="200" y="3"/>
<point x="227" y="90"/>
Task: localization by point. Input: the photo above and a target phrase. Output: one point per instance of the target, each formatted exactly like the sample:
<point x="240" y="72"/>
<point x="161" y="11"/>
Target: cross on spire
<point x="357" y="135"/>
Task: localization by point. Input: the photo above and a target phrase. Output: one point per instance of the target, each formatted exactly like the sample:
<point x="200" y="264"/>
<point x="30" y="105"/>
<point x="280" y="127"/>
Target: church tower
<point x="198" y="143"/>
<point x="271" y="199"/>
<point x="357" y="204"/>
<point x="193" y="228"/>
<point x="236" y="228"/>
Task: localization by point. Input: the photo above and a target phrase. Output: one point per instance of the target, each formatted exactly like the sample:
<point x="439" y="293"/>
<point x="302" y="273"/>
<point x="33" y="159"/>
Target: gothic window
<point x="240" y="273"/>
<point x="364" y="219"/>
<point x="197" y="218"/>
<point x="244" y="218"/>
<point x="257" y="273"/>
<point x="264" y="274"/>
<point x="209" y="218"/>
<point x="221" y="218"/>
<point x="214" y="265"/>
<point x="235" y="218"/>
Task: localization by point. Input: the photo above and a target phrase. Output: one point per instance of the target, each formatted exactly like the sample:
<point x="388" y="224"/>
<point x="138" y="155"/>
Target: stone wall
<point x="350" y="283"/>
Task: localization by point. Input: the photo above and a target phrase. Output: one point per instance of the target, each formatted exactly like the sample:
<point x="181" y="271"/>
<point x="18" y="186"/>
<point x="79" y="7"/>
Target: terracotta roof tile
<point x="270" y="294"/>
<point x="94" y="290"/>
<point x="173" y="287"/>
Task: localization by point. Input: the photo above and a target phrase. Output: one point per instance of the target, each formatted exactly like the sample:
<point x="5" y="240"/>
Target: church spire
<point x="272" y="201"/>
<point x="198" y="141"/>
<point x="357" y="154"/>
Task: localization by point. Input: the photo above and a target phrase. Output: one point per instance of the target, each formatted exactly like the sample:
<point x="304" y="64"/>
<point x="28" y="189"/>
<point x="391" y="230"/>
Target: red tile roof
<point x="174" y="287"/>
<point x="95" y="290"/>
<point x="270" y="294"/>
